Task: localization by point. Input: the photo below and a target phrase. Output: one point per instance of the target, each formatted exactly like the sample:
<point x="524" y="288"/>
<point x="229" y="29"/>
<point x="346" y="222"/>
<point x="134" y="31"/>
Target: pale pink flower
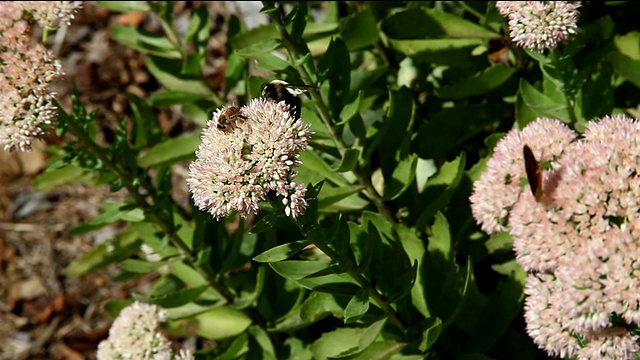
<point x="544" y="317"/>
<point x="502" y="183"/>
<point x="135" y="334"/>
<point x="610" y="344"/>
<point x="540" y="25"/>
<point x="50" y="13"/>
<point x="579" y="241"/>
<point x="26" y="106"/>
<point x="256" y="153"/>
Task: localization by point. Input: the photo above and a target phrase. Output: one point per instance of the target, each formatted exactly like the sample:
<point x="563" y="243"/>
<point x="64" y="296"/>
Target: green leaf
<point x="350" y="203"/>
<point x="439" y="189"/>
<point x="111" y="213"/>
<point x="257" y="35"/>
<point x="188" y="310"/>
<point x="299" y="269"/>
<point x="297" y="349"/>
<point x="440" y="240"/>
<point x="239" y="347"/>
<point x="357" y="307"/>
<point x="626" y="60"/>
<point x="140" y="266"/>
<point x="172" y="97"/>
<point x="282" y="252"/>
<point x="349" y="160"/>
<point x="171" y="151"/>
<point x="432" y="23"/>
<point x="381" y="350"/>
<point x="270" y="221"/>
<point x="430" y="334"/>
<point x="450" y="52"/>
<point x="317" y="275"/>
<point x="125" y="244"/>
<point x="402" y="177"/>
<point x="187" y="274"/>
<point x="629" y="45"/>
<point x="315" y="308"/>
<point x="167" y="70"/>
<point x="270" y="62"/>
<point x="125" y="6"/>
<point x="331" y="195"/>
<point x="258" y="48"/>
<point x="504" y="305"/>
<point x="312" y="161"/>
<point x="54" y="178"/>
<point x="199" y="111"/>
<point x="199" y="29"/>
<point x="113" y="307"/>
<point x="501" y="241"/>
<point x="478" y="84"/>
<point x="346" y="341"/>
<point x="174" y="299"/>
<point x="395" y="135"/>
<point x="221" y="323"/>
<point x="359" y="30"/>
<point x="414" y="247"/>
<point x="350" y="110"/>
<point x="537" y="104"/>
<point x="145" y="42"/>
<point x="262" y="340"/>
<point x="147" y="130"/>
<point x="511" y="269"/>
<point x="339" y="76"/>
<point x="450" y="128"/>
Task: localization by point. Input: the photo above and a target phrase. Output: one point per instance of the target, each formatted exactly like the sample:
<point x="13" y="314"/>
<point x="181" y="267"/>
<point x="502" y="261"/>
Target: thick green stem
<point x="325" y="116"/>
<point x="154" y="216"/>
<point x="312" y="234"/>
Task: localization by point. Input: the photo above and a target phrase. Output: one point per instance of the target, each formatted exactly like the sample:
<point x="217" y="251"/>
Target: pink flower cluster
<point x="26" y="105"/>
<point x="540" y="25"/>
<point x="136" y="334"/>
<point x="255" y="152"/>
<point x="579" y="241"/>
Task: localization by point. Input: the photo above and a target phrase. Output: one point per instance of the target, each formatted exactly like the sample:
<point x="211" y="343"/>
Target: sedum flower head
<point x="50" y="13"/>
<point x="135" y="335"/>
<point x="502" y="183"/>
<point x="248" y="156"/>
<point x="26" y="106"/>
<point x="580" y="245"/>
<point x="540" y="25"/>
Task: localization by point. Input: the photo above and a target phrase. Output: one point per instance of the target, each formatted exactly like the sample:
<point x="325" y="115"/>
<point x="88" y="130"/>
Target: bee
<point x="534" y="172"/>
<point x="279" y="90"/>
<point x="230" y="115"/>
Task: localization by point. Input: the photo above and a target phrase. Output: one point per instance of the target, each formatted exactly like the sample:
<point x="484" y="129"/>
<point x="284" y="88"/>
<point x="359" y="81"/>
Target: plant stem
<point x="471" y="10"/>
<point x="325" y="116"/>
<point x="155" y="217"/>
<point x="312" y="234"/>
<point x="172" y="36"/>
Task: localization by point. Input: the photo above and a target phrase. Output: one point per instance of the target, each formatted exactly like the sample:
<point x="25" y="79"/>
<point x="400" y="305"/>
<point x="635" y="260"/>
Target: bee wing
<point x="298" y="89"/>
